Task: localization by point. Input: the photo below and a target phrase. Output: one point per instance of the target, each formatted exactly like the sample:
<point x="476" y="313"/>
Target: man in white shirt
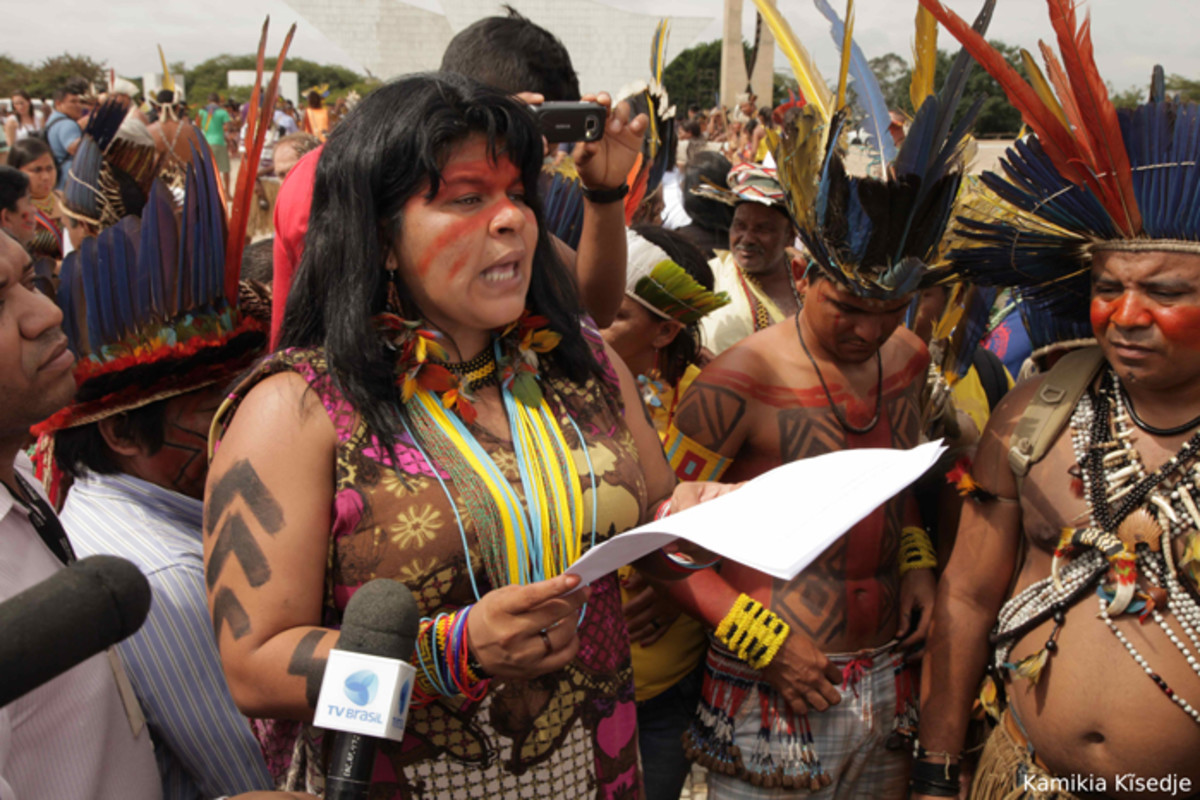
<point x="75" y="736"/>
<point x="72" y="736"/>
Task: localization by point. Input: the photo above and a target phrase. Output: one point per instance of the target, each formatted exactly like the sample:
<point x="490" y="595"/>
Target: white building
<point x="609" y="47"/>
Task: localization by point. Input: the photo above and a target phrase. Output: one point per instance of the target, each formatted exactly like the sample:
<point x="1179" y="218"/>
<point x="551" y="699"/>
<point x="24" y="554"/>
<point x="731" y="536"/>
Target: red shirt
<point x="291" y="223"/>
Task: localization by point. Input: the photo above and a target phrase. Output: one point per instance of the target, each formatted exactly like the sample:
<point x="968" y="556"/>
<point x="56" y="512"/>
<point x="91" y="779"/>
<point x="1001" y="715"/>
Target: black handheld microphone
<point x="66" y="619"/>
<point x="381" y="619"/>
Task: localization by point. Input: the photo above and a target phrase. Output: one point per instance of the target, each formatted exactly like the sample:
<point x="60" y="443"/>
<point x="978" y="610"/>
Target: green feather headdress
<point x="664" y="287"/>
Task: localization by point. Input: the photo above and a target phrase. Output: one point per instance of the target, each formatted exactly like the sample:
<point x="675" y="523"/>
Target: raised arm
<point x="602" y="165"/>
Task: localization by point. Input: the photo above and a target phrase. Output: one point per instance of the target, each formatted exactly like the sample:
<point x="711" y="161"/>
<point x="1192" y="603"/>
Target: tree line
<point x="40" y="80"/>
<point x="694" y="77"/>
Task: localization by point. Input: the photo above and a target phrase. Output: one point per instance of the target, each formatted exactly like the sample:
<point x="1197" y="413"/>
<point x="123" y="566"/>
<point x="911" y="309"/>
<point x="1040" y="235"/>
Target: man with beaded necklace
<point x="839" y="374"/>
<point x="1086" y="478"/>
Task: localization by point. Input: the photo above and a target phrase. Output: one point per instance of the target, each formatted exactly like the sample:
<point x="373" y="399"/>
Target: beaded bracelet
<point x="445" y="667"/>
<point x="751" y="632"/>
<point x="916" y="550"/>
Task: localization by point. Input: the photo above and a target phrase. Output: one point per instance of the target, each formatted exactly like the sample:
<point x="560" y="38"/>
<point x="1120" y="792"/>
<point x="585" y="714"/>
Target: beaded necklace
<point x="1134" y="516"/>
<point x="520" y="542"/>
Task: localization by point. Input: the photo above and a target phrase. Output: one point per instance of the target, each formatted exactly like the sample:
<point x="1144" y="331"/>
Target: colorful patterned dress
<point x="569" y="734"/>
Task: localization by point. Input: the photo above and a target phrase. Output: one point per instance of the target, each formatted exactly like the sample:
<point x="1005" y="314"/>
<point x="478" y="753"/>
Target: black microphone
<point x="66" y="619"/>
<point x="381" y="619"/>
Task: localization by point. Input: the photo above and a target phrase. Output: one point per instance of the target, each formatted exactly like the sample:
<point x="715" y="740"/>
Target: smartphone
<point x="571" y="122"/>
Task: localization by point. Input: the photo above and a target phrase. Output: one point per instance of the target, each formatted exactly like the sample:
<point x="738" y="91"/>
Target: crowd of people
<point x="382" y="348"/>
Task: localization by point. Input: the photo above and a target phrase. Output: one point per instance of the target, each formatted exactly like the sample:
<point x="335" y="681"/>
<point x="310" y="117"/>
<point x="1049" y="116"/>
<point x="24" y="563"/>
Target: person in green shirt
<point x="212" y="120"/>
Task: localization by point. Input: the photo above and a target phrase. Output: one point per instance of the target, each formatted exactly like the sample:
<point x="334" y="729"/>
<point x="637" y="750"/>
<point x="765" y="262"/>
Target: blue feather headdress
<point x="1092" y="177"/>
<point x="151" y="303"/>
<point x="111" y="172"/>
<point x="879" y="237"/>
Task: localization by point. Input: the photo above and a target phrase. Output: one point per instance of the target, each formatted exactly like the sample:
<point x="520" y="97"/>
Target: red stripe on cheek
<point x="444" y="240"/>
<point x="1180" y="324"/>
<point x="1101" y="312"/>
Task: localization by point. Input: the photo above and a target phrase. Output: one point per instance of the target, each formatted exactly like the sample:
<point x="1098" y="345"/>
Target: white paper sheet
<point x="782" y="520"/>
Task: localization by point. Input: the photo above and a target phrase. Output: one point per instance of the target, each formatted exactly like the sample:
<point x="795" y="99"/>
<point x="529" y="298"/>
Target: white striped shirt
<point x="204" y="745"/>
<point x="69" y="738"/>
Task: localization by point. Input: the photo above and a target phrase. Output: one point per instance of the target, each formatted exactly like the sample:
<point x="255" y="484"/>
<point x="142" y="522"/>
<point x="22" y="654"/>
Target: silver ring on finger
<point x="546" y="641"/>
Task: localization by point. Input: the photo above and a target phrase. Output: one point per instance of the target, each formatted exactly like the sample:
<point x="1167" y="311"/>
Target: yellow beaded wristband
<point x="752" y="633"/>
<point x="916" y="550"/>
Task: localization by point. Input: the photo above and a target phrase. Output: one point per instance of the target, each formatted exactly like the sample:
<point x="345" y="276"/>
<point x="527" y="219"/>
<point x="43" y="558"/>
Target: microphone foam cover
<point x="381" y="619"/>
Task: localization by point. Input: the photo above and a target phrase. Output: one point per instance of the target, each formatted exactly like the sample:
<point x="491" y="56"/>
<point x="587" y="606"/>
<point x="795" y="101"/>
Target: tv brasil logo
<point x="360" y="689"/>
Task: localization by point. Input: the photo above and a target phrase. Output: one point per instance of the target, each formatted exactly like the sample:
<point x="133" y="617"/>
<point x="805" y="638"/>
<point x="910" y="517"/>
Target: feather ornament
<point x="70" y="298"/>
<point x="1111" y="164"/>
<point x="846" y="41"/>
<point x="93" y="300"/>
<point x="168" y="82"/>
<point x="1031" y="667"/>
<point x="1042" y="87"/>
<point x="1060" y="146"/>
<point x="812" y="85"/>
<point x="561" y="191"/>
<point x="257" y="123"/>
<point x="1158" y="85"/>
<point x="658" y="50"/>
<point x="1062" y="86"/>
<point x="924" y="58"/>
<point x="872" y="103"/>
<point x="670" y="290"/>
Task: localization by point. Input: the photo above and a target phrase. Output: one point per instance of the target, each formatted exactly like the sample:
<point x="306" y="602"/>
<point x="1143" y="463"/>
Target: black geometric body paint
<point x="305" y="665"/>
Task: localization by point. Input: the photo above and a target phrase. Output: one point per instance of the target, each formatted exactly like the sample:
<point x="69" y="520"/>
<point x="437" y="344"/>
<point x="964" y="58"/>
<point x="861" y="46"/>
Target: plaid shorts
<point x="849" y="742"/>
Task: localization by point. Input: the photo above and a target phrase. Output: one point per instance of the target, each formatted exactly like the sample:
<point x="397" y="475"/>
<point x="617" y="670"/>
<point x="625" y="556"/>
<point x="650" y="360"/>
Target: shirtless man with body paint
<point x="764" y="403"/>
<point x="1092" y="717"/>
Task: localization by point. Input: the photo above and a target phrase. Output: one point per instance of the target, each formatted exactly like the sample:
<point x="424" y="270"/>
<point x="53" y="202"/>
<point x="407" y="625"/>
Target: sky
<point x="1130" y="37"/>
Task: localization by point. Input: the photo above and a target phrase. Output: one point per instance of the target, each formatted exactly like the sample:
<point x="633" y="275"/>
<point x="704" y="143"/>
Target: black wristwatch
<point x="605" y="196"/>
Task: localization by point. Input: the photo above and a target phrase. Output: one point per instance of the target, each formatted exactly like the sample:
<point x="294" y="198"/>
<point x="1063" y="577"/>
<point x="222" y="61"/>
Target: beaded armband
<point x="752" y="633"/>
<point x="916" y="550"/>
<point x="691" y="460"/>
<point x="445" y="667"/>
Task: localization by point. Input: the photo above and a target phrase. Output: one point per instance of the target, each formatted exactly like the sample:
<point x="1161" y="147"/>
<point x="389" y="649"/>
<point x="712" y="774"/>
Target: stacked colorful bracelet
<point x="751" y="632"/>
<point x="444" y="664"/>
<point x="916" y="550"/>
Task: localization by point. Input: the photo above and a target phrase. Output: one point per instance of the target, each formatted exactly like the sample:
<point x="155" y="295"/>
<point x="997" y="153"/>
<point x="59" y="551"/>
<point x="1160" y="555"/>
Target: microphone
<point x="66" y="619"/>
<point x="381" y="620"/>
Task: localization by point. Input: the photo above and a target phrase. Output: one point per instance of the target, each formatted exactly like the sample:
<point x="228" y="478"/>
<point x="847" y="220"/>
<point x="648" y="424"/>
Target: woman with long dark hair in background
<point x="24" y="120"/>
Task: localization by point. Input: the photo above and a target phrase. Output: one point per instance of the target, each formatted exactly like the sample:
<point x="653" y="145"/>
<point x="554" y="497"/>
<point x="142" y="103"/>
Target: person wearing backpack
<point x="62" y="130"/>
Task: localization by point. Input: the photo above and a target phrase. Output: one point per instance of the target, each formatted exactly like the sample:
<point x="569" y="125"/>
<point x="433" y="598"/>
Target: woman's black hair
<point x="684" y="349"/>
<point x="28" y="150"/>
<point x="14" y="185"/>
<point x="707" y="166"/>
<point x="390" y="147"/>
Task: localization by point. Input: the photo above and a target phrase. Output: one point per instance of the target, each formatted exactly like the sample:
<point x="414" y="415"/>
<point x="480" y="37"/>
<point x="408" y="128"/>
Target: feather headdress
<point x="112" y="169"/>
<point x="665" y="288"/>
<point x="1090" y="177"/>
<point x="150" y="304"/>
<point x="878" y="237"/>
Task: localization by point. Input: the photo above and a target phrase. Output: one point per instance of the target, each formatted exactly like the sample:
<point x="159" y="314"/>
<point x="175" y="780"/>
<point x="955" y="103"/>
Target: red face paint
<point x="1180" y="324"/>
<point x="482" y="177"/>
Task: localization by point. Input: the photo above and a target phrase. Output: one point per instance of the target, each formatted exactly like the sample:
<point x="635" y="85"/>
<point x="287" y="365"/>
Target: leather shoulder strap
<point x="1051" y="408"/>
